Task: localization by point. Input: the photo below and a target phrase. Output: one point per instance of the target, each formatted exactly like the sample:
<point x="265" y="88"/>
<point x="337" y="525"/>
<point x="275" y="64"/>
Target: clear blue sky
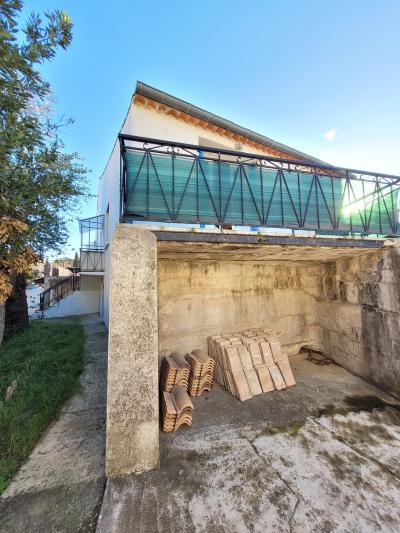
<point x="321" y="76"/>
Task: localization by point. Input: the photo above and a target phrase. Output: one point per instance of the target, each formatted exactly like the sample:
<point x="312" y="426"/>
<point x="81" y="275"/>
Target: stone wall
<point x="198" y="299"/>
<point x="359" y="316"/>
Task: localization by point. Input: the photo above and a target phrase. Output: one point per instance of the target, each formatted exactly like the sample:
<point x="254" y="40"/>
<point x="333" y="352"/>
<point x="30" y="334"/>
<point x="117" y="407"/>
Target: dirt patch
<point x="316" y="357"/>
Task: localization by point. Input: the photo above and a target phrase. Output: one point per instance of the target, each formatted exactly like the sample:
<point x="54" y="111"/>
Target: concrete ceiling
<point x="206" y="251"/>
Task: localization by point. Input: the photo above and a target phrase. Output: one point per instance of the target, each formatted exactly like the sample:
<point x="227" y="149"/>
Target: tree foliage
<point x="39" y="182"/>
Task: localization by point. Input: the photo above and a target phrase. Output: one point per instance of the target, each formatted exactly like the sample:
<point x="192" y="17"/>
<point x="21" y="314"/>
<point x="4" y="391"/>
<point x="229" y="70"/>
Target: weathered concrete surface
<point x="60" y="487"/>
<point x="199" y="299"/>
<point x="359" y="316"/>
<point x="285" y="461"/>
<point x="262" y="251"/>
<point x="348" y="306"/>
<point x="132" y="394"/>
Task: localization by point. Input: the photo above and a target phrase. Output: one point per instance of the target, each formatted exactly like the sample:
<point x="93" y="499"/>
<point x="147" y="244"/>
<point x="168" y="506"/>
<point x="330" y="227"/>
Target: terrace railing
<point x="174" y="182"/>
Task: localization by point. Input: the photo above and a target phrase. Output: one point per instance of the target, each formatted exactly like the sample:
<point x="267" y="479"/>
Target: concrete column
<point x="132" y="390"/>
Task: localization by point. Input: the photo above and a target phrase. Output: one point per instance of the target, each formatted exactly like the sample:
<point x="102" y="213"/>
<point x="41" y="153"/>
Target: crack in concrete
<point x="357" y="451"/>
<point x="278" y="475"/>
<point x="293" y="515"/>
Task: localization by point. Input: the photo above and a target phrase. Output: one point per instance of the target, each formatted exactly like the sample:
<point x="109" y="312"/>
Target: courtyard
<point x="320" y="456"/>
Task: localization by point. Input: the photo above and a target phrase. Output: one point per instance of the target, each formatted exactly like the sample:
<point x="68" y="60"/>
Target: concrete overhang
<point x="188" y="244"/>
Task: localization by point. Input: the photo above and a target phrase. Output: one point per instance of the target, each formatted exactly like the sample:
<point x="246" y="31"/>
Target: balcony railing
<point x="180" y="183"/>
<point x="92" y="261"/>
<point x="92" y="244"/>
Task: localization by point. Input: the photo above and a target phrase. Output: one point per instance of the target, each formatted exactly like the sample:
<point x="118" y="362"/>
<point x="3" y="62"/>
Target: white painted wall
<point x="147" y="123"/>
<point x="82" y="302"/>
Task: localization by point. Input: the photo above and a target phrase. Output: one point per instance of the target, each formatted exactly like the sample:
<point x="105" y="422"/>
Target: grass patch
<point x="46" y="359"/>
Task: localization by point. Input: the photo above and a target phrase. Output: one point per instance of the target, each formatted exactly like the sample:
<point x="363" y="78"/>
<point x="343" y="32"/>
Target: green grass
<point x="47" y="359"/>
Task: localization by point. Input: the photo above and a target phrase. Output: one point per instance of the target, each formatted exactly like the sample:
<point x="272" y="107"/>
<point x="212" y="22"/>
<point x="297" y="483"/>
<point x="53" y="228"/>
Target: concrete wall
<point x="132" y="383"/>
<point x="359" y="316"/>
<point x="348" y="308"/>
<point x="198" y="299"/>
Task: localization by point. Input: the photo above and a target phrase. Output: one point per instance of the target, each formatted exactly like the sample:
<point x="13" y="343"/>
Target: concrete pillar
<point x="132" y="390"/>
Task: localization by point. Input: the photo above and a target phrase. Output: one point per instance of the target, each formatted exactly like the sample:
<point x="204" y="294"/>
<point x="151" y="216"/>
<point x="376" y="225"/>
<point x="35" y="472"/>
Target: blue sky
<point x="321" y="76"/>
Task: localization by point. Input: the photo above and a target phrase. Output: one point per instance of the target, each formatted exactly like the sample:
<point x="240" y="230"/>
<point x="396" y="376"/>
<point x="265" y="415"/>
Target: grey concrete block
<point x="132" y="401"/>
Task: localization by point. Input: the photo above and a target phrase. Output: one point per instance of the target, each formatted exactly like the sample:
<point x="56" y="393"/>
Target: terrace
<point x="172" y="182"/>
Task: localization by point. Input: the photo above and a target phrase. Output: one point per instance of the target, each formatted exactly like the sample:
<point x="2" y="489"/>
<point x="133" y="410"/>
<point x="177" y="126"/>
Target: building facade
<point x="204" y="227"/>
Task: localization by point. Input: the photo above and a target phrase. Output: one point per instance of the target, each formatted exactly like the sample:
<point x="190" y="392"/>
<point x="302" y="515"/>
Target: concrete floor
<point x="321" y="456"/>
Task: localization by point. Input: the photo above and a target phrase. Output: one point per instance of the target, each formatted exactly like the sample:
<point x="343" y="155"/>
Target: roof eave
<point x="181" y="105"/>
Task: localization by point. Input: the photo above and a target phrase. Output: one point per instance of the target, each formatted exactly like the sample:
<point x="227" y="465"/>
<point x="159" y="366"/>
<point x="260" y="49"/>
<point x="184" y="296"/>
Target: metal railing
<point x="175" y="182"/>
<point x="58" y="291"/>
<point x="92" y="260"/>
<point x="92" y="244"/>
<point x="92" y="233"/>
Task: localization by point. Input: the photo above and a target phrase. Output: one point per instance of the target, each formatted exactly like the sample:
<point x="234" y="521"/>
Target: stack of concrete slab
<point x="177" y="409"/>
<point x="250" y="363"/>
<point x="174" y="371"/>
<point x="201" y="375"/>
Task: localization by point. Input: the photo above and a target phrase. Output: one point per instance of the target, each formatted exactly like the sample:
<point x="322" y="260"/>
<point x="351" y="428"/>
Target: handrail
<point x="58" y="291"/>
<point x="295" y="162"/>
<point x="92" y="259"/>
<point x="174" y="182"/>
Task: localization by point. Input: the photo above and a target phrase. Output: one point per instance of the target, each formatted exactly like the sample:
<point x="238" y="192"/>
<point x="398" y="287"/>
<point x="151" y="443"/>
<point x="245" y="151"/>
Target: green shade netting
<point x="172" y="188"/>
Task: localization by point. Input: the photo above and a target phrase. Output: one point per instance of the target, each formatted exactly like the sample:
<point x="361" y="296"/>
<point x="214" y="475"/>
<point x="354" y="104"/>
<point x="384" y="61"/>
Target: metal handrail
<point x="92" y="260"/>
<point x="292" y="163"/>
<point x="58" y="291"/>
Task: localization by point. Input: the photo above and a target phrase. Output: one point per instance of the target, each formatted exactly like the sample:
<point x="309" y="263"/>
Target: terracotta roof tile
<point x="250" y="362"/>
<point x="277" y="378"/>
<point x="176" y="409"/>
<point x="201" y="374"/>
<point x="174" y="371"/>
<point x="286" y="371"/>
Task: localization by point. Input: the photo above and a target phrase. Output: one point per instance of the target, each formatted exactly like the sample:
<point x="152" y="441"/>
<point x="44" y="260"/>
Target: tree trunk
<point x="2" y="321"/>
<point x="16" y="305"/>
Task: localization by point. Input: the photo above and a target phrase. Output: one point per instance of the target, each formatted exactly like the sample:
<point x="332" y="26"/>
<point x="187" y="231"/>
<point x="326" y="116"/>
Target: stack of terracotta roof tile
<point x="174" y="371"/>
<point x="177" y="409"/>
<point x="201" y="375"/>
<point x="250" y="363"/>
